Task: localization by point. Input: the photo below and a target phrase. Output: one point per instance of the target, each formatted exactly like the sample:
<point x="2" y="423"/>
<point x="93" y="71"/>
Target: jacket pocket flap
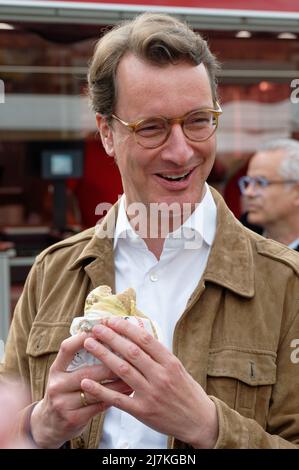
<point x="46" y="338"/>
<point x="253" y="368"/>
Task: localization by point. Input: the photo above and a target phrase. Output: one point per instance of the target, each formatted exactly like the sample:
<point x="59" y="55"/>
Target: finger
<point x="67" y="350"/>
<point x="128" y="350"/>
<point x="119" y="386"/>
<point x="109" y="397"/>
<point x="141" y="337"/>
<point x="73" y="401"/>
<point x="70" y="381"/>
<point x="87" y="412"/>
<point x="119" y="366"/>
<point x="80" y="399"/>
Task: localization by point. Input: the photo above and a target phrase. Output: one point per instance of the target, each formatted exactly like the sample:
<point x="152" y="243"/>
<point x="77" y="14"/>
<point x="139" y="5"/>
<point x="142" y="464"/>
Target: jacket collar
<point x="230" y="263"/>
<point x="97" y="255"/>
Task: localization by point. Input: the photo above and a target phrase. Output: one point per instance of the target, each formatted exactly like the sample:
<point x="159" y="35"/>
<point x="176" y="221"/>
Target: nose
<point x="177" y="148"/>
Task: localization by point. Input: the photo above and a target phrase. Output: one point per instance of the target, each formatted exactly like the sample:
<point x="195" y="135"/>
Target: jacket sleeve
<point x="282" y="429"/>
<point x="15" y="359"/>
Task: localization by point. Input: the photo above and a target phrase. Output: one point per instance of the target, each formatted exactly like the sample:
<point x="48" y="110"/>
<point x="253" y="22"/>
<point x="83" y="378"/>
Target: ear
<point x="106" y="134"/>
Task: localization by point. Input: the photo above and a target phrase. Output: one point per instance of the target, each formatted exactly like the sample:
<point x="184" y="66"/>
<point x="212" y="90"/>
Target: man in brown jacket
<point x="225" y="374"/>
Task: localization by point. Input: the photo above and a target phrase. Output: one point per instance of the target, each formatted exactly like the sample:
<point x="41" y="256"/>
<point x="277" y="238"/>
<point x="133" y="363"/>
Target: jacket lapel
<point x="97" y="256"/>
<point x="230" y="263"/>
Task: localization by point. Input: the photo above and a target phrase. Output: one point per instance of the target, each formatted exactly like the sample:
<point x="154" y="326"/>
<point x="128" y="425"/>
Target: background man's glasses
<point x="198" y="125"/>
<point x="258" y="182"/>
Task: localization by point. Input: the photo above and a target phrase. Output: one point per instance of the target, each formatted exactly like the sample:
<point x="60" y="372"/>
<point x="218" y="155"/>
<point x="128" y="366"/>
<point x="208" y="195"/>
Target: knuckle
<point x="134" y="351"/>
<point x="164" y="382"/>
<point x="174" y="365"/>
<point x="146" y="338"/>
<point x="126" y="326"/>
<point x="59" y="406"/>
<point x="123" y="369"/>
<point x="117" y="402"/>
<point x="64" y="347"/>
<point x="52" y="390"/>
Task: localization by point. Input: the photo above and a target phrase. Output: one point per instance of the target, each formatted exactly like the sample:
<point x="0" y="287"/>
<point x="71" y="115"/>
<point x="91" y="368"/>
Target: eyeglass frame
<point x="132" y="126"/>
<point x="263" y="181"/>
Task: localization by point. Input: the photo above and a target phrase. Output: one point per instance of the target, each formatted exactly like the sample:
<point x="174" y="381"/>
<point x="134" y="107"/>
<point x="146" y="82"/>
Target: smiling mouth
<point x="181" y="177"/>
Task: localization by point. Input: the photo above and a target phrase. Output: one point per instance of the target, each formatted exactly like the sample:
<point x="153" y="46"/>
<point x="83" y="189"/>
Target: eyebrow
<point x="171" y="117"/>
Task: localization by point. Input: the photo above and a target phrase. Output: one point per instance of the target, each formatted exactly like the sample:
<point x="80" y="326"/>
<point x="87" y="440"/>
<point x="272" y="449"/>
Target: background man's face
<point x="274" y="202"/>
<point x="143" y="91"/>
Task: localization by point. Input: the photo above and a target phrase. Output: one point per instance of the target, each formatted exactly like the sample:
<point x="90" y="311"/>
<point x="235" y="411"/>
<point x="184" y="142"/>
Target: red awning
<point x="258" y="5"/>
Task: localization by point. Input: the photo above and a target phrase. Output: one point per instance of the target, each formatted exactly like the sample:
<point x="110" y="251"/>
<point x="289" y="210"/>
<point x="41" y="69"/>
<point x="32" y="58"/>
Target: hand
<point x="166" y="397"/>
<point x="61" y="414"/>
<point x="13" y="397"/>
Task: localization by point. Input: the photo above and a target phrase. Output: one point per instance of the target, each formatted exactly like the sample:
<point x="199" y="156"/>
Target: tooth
<point x="176" y="177"/>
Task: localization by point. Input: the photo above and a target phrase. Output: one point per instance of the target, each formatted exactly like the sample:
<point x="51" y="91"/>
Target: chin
<point x="181" y="200"/>
<point x="254" y="219"/>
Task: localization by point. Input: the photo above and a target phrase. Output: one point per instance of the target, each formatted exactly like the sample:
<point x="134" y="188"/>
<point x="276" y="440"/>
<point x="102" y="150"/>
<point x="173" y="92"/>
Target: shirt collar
<point x="294" y="244"/>
<point x="202" y="221"/>
<point x="123" y="226"/>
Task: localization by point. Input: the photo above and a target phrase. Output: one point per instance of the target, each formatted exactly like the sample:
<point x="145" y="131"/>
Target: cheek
<point x="132" y="168"/>
<point x="210" y="150"/>
<point x="272" y="198"/>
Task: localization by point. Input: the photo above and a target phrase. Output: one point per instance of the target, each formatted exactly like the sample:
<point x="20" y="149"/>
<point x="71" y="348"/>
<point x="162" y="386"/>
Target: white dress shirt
<point x="163" y="288"/>
<point x="294" y="244"/>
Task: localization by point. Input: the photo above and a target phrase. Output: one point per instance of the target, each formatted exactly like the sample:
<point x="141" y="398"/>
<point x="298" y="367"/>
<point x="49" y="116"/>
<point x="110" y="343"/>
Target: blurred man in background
<point x="271" y="191"/>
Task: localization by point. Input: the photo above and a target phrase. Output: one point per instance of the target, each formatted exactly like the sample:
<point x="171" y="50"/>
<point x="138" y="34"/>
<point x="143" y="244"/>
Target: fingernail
<point x="87" y="385"/>
<point x="90" y="344"/>
<point x="98" y="329"/>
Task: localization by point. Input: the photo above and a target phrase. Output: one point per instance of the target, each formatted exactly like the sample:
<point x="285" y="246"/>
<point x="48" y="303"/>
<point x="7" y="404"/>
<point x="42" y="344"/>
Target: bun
<point x="101" y="303"/>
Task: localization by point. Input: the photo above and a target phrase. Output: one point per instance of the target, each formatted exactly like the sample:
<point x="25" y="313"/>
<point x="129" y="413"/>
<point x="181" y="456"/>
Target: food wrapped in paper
<point x="101" y="304"/>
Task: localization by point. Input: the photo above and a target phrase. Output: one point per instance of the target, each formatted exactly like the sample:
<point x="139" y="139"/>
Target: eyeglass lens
<point x="258" y="182"/>
<point x="196" y="126"/>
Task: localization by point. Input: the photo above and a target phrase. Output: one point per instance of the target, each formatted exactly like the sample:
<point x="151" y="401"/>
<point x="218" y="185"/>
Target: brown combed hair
<point x="156" y="38"/>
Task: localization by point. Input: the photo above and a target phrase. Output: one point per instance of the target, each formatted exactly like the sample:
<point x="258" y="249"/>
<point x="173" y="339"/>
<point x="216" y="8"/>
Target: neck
<point x="283" y="232"/>
<point x="155" y="245"/>
<point x="154" y="222"/>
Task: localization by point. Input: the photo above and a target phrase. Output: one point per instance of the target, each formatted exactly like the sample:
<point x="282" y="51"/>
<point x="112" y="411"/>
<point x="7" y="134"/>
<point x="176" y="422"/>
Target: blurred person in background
<point x="271" y="191"/>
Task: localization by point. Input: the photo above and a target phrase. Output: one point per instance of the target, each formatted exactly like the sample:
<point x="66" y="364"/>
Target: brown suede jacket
<point x="234" y="337"/>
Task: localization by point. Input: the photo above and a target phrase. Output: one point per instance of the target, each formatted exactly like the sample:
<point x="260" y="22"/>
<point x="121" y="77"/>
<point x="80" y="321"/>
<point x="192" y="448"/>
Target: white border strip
<point x="129" y="7"/>
<point x="107" y="13"/>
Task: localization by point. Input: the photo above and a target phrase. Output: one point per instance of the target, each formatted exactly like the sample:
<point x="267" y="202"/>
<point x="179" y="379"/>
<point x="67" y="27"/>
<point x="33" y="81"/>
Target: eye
<point x="261" y="182"/>
<point x="199" y="119"/>
<point x="150" y="127"/>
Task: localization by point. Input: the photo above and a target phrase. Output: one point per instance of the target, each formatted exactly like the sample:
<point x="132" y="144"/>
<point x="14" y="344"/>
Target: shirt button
<point x="154" y="277"/>
<point x="124" y="445"/>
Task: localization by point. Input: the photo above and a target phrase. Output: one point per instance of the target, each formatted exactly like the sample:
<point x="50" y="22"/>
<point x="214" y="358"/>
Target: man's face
<point x="272" y="203"/>
<point x="144" y="91"/>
